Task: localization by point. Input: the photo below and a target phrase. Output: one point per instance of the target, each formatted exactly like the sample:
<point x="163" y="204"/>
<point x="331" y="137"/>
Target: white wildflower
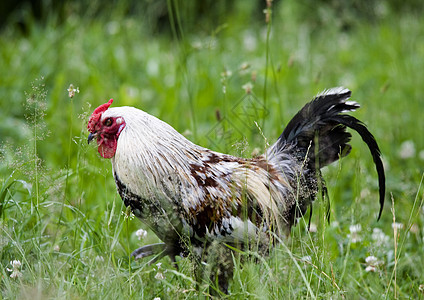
<point x="141" y="234"/>
<point x="128" y="214"/>
<point x="156" y="298"/>
<point x="397" y="226"/>
<point x="56" y="248"/>
<point x="250" y="42"/>
<point x="421" y="155"/>
<point x="354" y="233"/>
<point x="421" y="288"/>
<point x="313" y="227"/>
<point x="414" y="229"/>
<point x="99" y="258"/>
<point x="355" y="228"/>
<point x="379" y="237"/>
<point x="307" y="258"/>
<point x="16" y="265"/>
<point x="372" y="263"/>
<point x="334" y="224"/>
<point x="365" y="193"/>
<point x="226" y="74"/>
<point x="247" y="87"/>
<point x="159" y="275"/>
<point x="371" y="260"/>
<point x="71" y="90"/>
<point x="244" y="66"/>
<point x="197" y="45"/>
<point x="370" y="269"/>
<point x="407" y="149"/>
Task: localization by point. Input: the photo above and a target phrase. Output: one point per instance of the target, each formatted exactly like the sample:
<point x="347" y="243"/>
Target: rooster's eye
<point x="108" y="122"/>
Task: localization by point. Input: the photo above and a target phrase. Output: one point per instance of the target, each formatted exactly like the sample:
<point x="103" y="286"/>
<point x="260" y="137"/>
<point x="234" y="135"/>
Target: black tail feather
<point x="319" y="130"/>
<point x="369" y="139"/>
<point x="315" y="122"/>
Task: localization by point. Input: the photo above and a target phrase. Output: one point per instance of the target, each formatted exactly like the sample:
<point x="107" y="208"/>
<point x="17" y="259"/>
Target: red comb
<point x="95" y="116"/>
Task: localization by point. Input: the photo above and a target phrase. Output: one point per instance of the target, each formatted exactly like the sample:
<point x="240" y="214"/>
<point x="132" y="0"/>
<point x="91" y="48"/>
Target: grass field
<point x="62" y="219"/>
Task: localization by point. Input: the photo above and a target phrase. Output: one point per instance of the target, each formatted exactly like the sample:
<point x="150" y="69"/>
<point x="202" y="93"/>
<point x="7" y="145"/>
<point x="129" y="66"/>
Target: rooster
<point x="191" y="197"/>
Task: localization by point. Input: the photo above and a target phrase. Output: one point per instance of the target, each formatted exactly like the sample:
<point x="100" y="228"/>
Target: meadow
<point x="227" y="84"/>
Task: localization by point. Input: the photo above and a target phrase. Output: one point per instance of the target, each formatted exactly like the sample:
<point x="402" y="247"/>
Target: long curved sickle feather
<point x="369" y="139"/>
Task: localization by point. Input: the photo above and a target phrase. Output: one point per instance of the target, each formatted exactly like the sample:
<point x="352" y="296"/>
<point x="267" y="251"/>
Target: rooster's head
<point x="106" y="129"/>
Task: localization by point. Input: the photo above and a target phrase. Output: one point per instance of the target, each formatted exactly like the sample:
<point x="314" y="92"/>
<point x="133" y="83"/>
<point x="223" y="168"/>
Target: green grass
<point x="61" y="215"/>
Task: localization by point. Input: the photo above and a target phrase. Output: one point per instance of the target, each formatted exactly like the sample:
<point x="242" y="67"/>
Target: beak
<point x="91" y="136"/>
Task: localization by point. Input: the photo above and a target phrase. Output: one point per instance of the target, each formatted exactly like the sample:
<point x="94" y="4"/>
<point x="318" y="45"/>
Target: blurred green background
<point x="190" y="64"/>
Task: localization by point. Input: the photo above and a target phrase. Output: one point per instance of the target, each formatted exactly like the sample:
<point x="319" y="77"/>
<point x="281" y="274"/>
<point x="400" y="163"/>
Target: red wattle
<point x="107" y="147"/>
